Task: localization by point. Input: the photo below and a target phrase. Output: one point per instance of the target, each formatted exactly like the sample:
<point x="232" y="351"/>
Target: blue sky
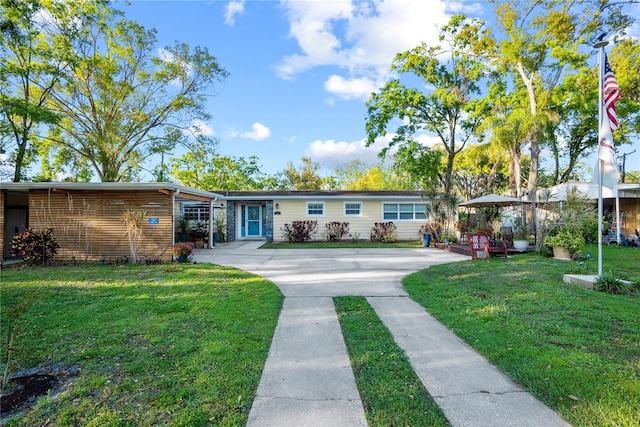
<point x="301" y="70"/>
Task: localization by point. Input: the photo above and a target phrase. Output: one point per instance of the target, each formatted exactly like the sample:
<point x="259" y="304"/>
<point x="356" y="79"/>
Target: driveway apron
<point x="307" y="379"/>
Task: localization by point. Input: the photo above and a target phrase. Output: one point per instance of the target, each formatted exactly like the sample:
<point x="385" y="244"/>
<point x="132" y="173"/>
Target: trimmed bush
<point x="35" y="247"/>
<point x="336" y="230"/>
<point x="299" y="231"/>
<point x="384" y="232"/>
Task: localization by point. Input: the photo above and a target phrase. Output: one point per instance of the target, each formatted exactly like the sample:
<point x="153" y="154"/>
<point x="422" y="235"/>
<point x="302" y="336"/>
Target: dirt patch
<point x="25" y="387"/>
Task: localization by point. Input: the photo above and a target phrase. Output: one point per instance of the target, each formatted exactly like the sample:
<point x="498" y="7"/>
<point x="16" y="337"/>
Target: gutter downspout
<point x="173" y="214"/>
<point x="212" y="240"/>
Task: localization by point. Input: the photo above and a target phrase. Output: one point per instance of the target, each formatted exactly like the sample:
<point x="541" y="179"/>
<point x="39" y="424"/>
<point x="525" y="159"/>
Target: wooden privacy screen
<point x="88" y="225"/>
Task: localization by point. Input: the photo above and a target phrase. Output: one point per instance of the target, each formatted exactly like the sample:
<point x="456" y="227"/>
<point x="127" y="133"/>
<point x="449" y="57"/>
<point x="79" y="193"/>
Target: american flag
<point x="611" y="93"/>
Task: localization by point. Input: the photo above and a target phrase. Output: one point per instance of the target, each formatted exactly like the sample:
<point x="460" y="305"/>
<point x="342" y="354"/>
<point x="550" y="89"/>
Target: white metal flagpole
<point x="600" y="45"/>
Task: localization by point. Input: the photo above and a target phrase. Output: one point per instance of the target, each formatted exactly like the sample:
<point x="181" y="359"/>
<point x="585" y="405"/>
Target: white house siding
<point x="293" y="210"/>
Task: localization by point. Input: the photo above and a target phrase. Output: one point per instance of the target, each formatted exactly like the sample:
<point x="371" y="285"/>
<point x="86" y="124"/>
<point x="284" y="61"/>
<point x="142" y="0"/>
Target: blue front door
<point x="254" y="219"/>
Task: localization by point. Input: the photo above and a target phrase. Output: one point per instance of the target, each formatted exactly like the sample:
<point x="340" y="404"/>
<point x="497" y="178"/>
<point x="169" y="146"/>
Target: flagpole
<point x="600" y="46"/>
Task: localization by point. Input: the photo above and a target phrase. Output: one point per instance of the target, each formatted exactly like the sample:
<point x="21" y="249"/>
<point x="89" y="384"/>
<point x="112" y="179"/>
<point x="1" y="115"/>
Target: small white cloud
<point x="258" y="132"/>
<point x="199" y="127"/>
<point x="350" y="88"/>
<point x="233" y="8"/>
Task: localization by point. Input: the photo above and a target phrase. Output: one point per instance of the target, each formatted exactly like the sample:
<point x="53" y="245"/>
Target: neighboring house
<point x="262" y="214"/>
<point x="87" y="217"/>
<point x="621" y="202"/>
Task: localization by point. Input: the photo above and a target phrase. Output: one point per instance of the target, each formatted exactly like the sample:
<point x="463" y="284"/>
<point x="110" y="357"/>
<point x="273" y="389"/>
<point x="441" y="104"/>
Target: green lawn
<point x="180" y="345"/>
<point x="185" y="345"/>
<point x="577" y="350"/>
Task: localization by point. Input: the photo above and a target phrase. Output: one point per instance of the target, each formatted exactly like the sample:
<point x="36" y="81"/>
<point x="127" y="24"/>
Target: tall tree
<point x="480" y="169"/>
<point x="305" y="177"/>
<point x="203" y="168"/>
<point x="35" y="40"/>
<point x="448" y="108"/>
<point x="122" y="98"/>
<point x="540" y="40"/>
<point x="576" y="102"/>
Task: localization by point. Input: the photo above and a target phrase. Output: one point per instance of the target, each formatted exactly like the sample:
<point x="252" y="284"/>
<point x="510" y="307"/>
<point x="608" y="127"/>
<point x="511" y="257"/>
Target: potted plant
<point x="520" y="237"/>
<point x="182" y="251"/>
<point x="565" y="243"/>
<point x="183" y="224"/>
<point x="200" y="234"/>
<point x="219" y="225"/>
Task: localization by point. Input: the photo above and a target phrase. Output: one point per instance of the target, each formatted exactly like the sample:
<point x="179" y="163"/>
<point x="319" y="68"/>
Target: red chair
<point x="481" y="243"/>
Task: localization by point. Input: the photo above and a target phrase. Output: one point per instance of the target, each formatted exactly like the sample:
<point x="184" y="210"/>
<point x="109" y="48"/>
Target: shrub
<point x="383" y="232"/>
<point x="35" y="247"/>
<point x="182" y="248"/>
<point x="299" y="231"/>
<point x="609" y="284"/>
<point x="336" y="230"/>
<point x="570" y="239"/>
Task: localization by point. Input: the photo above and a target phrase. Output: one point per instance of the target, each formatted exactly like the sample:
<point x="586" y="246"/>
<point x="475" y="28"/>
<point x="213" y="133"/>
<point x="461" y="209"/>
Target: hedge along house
<point x="260" y="215"/>
<point x="87" y="218"/>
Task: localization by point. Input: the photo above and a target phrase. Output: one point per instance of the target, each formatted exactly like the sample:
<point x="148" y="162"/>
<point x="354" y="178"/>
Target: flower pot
<point x="561" y="253"/>
<point x="521" y="245"/>
<point x="182" y="258"/>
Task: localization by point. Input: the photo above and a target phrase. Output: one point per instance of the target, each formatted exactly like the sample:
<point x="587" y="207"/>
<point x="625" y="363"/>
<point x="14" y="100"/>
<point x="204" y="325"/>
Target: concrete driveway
<point x="328" y="272"/>
<point x="307" y="379"/>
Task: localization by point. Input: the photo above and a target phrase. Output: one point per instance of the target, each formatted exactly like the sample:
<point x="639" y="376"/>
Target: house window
<point x="315" y="208"/>
<point x="404" y="211"/>
<point x="196" y="213"/>
<point x="352" y="209"/>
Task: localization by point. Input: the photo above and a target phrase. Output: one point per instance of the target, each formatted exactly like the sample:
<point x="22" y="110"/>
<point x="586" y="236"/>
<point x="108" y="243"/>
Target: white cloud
<point x="258" y="132"/>
<point x="362" y="37"/>
<point x="233" y="8"/>
<point x="350" y="88"/>
<point x="199" y="127"/>
<point x="331" y="153"/>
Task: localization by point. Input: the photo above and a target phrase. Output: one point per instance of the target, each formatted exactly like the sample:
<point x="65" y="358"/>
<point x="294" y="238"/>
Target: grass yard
<point x="577" y="350"/>
<point x="180" y="345"/>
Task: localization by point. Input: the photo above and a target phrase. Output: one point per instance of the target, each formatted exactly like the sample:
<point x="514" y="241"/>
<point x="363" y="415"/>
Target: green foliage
<point x="336" y="230"/>
<point x="122" y="103"/>
<point x="570" y="222"/>
<point x="303" y="178"/>
<point x="450" y="109"/>
<point x="610" y="284"/>
<point x="35" y="247"/>
<point x="202" y="167"/>
<point x="572" y="240"/>
<point x="300" y="231"/>
<point x="384" y="232"/>
<point x="34" y="53"/>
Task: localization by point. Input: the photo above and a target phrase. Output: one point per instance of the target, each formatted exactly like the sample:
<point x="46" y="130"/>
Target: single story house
<point x="87" y="217"/>
<point x="622" y="202"/>
<point x="261" y="215"/>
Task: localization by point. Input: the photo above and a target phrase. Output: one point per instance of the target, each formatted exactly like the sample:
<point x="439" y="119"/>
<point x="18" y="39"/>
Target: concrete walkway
<point x="307" y="379"/>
